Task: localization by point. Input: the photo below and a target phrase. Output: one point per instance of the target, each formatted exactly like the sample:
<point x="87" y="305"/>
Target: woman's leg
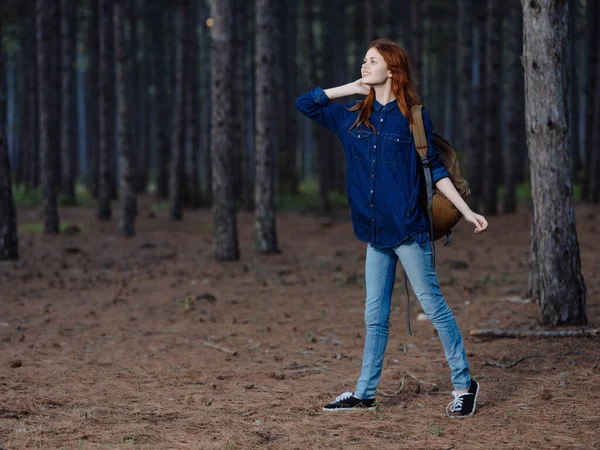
<point x="418" y="263"/>
<point x="380" y="273"/>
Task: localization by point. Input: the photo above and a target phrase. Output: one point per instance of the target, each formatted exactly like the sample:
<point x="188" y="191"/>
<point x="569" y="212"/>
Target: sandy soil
<point x="107" y="342"/>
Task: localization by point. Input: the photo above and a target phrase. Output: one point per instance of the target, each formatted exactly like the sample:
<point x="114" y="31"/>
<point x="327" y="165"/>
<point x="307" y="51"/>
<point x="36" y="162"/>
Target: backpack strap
<point x="421" y="146"/>
<point x="419" y="134"/>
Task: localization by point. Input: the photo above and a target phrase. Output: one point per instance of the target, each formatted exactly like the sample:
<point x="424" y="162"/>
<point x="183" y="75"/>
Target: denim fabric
<point x="380" y="272"/>
<point x="383" y="169"/>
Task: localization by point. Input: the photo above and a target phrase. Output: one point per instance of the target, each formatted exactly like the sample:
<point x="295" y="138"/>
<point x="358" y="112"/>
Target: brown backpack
<point x="443" y="215"/>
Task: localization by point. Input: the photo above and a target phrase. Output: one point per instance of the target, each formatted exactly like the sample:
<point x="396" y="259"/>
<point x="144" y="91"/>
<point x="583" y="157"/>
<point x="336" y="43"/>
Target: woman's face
<point x="374" y="70"/>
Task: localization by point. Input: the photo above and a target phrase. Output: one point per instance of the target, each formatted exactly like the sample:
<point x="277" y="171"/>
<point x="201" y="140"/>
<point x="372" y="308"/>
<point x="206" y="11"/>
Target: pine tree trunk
<point x="225" y="235"/>
<point x="126" y="163"/>
<point x="93" y="93"/>
<point x="192" y="132"/>
<point x="474" y="161"/>
<point x="28" y="169"/>
<point x="574" y="87"/>
<point x="44" y="12"/>
<point x="265" y="233"/>
<point x="205" y="111"/>
<point x="68" y="125"/>
<point x="239" y="70"/>
<point x="465" y="47"/>
<point x="159" y="100"/>
<point x="9" y="241"/>
<point x="105" y="110"/>
<point x="177" y="117"/>
<point x="514" y="150"/>
<point x="592" y="13"/>
<point x="492" y="98"/>
<point x="554" y="246"/>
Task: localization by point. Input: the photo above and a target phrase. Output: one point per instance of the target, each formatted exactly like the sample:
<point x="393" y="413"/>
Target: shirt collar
<point x="388" y="107"/>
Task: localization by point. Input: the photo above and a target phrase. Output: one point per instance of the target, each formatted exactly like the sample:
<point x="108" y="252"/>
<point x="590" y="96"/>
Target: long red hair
<point x="402" y="86"/>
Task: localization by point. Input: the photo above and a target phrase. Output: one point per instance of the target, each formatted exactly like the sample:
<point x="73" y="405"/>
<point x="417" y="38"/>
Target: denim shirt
<point x="383" y="169"/>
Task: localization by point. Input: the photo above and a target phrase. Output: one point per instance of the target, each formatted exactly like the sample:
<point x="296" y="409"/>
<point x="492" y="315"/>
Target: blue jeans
<point x="380" y="273"/>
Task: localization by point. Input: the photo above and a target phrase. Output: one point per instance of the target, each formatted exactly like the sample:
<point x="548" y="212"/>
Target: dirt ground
<point x="107" y="342"/>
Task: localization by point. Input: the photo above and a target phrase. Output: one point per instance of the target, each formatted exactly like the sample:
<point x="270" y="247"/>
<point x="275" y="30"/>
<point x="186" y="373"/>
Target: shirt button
<point x="381" y="120"/>
<point x="371" y="205"/>
<point x="374" y="146"/>
<point x="372" y="220"/>
<point x="373" y="160"/>
<point x="371" y="192"/>
<point x="373" y="176"/>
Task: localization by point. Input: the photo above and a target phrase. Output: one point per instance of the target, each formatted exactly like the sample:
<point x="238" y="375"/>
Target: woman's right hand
<point x="361" y="88"/>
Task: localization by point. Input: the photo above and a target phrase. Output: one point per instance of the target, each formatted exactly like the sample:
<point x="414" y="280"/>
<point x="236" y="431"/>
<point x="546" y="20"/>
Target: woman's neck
<point x="384" y="93"/>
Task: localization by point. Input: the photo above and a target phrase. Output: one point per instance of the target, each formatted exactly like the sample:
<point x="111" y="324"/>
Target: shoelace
<point x="344" y="396"/>
<point x="456" y="404"/>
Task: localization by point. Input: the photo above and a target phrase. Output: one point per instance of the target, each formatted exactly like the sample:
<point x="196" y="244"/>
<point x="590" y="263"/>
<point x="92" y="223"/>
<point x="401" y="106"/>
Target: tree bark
<point x="159" y="100"/>
<point x="266" y="62"/>
<point x="68" y="124"/>
<point x="105" y="142"/>
<point x="93" y="93"/>
<point x="514" y="148"/>
<point x="474" y="161"/>
<point x="574" y="88"/>
<point x="9" y="241"/>
<point x="225" y="233"/>
<point x="558" y="268"/>
<point x="177" y="117"/>
<point x="126" y="163"/>
<point x="492" y="98"/>
<point x="192" y="132"/>
<point x="44" y="12"/>
<point x="465" y="47"/>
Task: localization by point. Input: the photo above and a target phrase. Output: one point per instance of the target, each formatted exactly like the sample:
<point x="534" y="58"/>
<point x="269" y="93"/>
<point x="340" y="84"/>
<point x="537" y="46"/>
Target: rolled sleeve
<point x="316" y="106"/>
<point x="438" y="170"/>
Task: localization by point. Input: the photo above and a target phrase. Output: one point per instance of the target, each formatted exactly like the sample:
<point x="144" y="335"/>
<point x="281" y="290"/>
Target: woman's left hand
<point x="477" y="220"/>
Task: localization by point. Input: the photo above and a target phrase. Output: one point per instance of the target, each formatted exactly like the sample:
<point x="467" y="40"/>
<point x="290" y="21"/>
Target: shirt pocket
<point x="396" y="148"/>
<point x="359" y="141"/>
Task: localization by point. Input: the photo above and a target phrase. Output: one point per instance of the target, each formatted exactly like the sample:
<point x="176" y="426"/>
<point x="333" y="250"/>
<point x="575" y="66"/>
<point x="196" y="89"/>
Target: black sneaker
<point x="348" y="402"/>
<point x="464" y="405"/>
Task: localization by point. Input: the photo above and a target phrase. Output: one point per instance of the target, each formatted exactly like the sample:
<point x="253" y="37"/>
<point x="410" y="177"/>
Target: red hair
<point x="402" y="86"/>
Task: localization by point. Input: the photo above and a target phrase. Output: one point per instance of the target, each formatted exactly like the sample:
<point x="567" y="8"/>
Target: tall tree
<point x="69" y="153"/>
<point x="593" y="17"/>
<point x="126" y="161"/>
<point x="106" y="141"/>
<point x="225" y="234"/>
<point x="288" y="167"/>
<point x="492" y="117"/>
<point x="160" y="114"/>
<point x="465" y="48"/>
<point x="48" y="153"/>
<point x="192" y="131"/>
<point x="9" y="242"/>
<point x="513" y="151"/>
<point x="265" y="146"/>
<point x="93" y="93"/>
<point x="556" y="268"/>
<point x="177" y="117"/>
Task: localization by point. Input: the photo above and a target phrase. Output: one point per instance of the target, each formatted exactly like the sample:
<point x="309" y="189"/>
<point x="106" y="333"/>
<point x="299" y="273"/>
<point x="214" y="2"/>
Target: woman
<point x="383" y="180"/>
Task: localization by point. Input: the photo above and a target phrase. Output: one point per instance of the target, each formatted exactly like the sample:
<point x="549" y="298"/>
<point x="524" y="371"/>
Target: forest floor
<point x="108" y="342"/>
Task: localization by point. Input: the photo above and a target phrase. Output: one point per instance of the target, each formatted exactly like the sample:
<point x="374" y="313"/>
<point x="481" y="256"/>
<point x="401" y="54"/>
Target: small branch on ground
<point x="535" y="333"/>
<point x="220" y="348"/>
<point x="504" y="366"/>
<point x="385" y="394"/>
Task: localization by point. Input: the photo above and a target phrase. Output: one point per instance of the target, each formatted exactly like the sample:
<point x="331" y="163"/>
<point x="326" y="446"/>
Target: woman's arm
<point x="447" y="188"/>
<point x="315" y="104"/>
<point x="356" y="87"/>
